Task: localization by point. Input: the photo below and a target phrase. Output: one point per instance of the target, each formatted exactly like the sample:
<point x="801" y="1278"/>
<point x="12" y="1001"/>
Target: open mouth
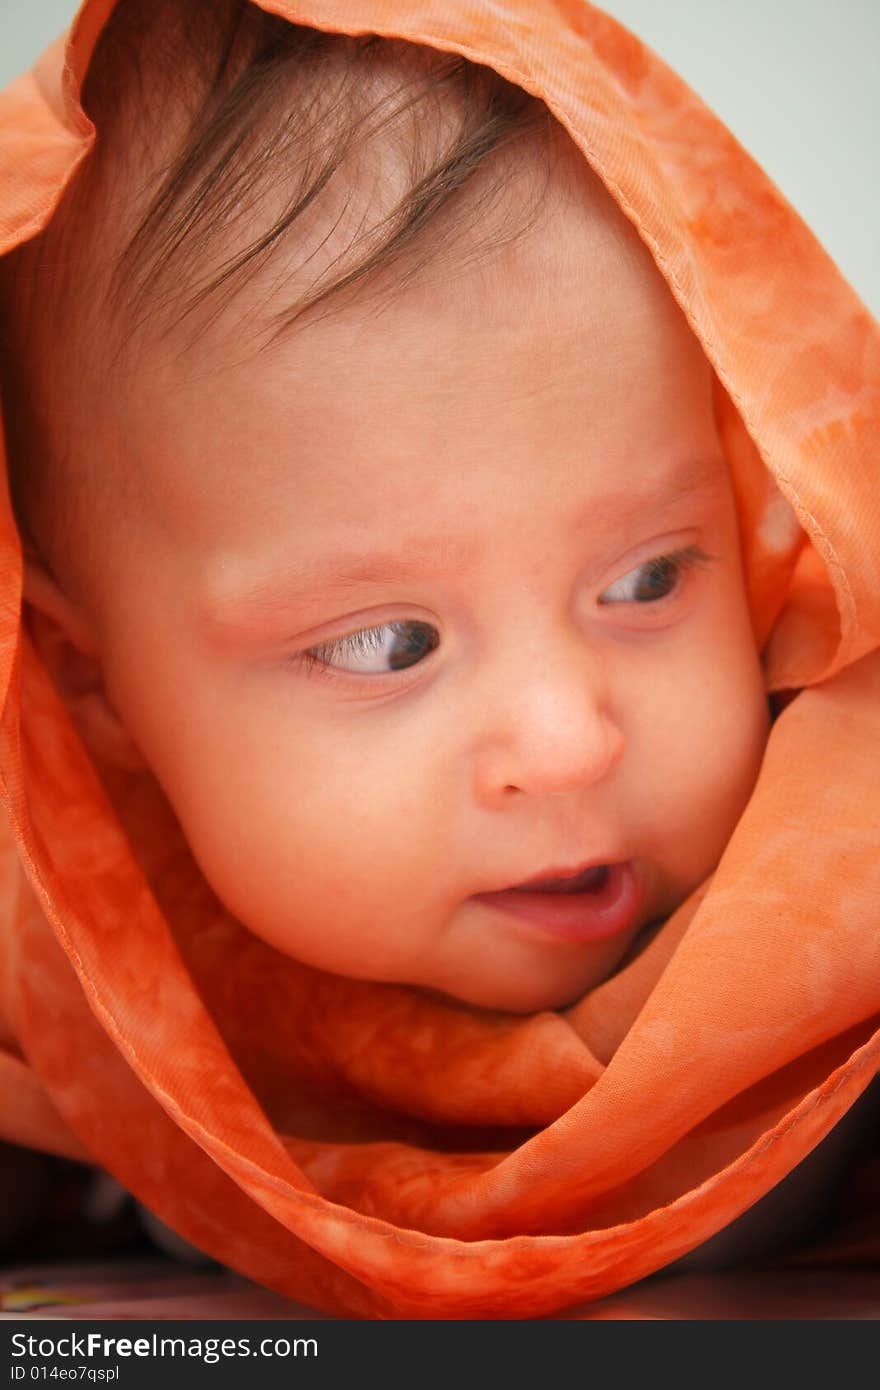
<point x="587" y="881"/>
<point x="597" y="902"/>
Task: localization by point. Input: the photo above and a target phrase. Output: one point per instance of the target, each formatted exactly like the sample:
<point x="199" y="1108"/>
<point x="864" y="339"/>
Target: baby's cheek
<point x="335" y="838"/>
<point x="704" y="744"/>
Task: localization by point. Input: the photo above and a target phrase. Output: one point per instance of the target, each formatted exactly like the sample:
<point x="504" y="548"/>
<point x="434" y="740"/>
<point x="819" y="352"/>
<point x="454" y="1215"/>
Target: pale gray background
<point x="797" y="81"/>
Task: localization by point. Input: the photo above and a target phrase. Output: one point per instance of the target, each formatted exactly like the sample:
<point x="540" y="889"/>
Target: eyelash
<point x="691" y="557"/>
<point x="368" y="639"/>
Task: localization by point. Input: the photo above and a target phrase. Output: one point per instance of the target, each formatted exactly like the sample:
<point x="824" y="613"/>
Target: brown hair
<point x="222" y="130"/>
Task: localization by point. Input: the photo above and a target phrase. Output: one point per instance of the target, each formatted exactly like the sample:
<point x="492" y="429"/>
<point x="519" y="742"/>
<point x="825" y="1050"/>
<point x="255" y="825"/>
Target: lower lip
<point x="588" y="916"/>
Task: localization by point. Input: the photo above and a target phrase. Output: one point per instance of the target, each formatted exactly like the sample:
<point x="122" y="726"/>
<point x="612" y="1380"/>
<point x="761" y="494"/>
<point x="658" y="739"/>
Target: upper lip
<point x="554" y="873"/>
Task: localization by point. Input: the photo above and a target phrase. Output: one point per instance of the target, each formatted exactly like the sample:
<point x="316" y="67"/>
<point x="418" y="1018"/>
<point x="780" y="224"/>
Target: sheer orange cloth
<point x="363" y="1148"/>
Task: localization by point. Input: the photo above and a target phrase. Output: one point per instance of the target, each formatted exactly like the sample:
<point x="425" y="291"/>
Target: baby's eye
<point x="374" y="651"/>
<point x="655" y="579"/>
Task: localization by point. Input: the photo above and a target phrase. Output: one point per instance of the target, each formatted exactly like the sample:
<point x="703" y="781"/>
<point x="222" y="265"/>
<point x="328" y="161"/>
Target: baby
<point x="424" y="601"/>
<point x="385" y="519"/>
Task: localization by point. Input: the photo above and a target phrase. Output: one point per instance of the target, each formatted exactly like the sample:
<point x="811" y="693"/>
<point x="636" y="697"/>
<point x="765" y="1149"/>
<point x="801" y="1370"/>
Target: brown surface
<point x="152" y="1288"/>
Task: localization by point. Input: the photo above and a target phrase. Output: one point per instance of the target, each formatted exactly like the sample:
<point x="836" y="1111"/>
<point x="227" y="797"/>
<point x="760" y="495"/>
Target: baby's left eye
<point x="655" y="579"/>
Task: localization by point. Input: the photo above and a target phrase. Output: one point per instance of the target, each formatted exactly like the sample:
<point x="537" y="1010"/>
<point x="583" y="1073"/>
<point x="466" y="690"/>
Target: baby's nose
<point x="551" y="732"/>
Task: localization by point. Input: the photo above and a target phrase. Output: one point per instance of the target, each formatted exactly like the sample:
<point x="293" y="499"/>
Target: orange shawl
<point x="362" y="1148"/>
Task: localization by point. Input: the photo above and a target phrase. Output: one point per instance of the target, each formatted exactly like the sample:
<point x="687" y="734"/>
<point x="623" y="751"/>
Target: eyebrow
<point x="322" y="574"/>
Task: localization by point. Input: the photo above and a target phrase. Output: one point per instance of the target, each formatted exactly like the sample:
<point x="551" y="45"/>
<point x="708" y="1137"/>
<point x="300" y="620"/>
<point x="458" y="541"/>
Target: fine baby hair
<point x="226" y="134"/>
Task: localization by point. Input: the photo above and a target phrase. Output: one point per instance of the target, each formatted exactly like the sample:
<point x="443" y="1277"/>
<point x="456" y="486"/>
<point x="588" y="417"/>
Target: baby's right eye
<point x="376" y="651"/>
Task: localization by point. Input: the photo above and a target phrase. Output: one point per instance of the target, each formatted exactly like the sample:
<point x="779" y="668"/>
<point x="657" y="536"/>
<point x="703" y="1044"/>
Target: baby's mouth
<point x="586" y="905"/>
<point x="588" y="880"/>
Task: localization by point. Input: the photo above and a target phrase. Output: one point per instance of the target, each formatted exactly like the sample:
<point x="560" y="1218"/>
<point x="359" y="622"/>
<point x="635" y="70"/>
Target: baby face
<point x="426" y="606"/>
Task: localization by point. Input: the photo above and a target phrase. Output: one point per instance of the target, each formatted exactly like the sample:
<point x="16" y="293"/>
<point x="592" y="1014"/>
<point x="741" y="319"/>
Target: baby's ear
<point x="69" y="651"/>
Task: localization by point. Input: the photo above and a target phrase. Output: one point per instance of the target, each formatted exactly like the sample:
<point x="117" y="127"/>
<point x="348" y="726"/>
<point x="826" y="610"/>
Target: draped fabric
<point x="377" y="1153"/>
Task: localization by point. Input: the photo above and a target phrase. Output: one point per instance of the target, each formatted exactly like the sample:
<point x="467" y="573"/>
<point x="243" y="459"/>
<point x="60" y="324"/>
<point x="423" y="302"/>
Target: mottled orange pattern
<point x="365" y="1149"/>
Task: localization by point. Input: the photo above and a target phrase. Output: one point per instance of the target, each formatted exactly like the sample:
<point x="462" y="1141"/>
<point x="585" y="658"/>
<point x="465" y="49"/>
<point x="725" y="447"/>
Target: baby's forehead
<point x="444" y="381"/>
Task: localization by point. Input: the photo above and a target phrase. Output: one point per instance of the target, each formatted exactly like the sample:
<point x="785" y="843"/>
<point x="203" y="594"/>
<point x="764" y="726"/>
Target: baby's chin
<point x="534" y="995"/>
<point x="539" y="1002"/>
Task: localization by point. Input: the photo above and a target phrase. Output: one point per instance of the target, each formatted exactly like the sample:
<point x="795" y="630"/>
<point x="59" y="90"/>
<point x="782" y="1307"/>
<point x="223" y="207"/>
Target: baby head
<point x="373" y="500"/>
